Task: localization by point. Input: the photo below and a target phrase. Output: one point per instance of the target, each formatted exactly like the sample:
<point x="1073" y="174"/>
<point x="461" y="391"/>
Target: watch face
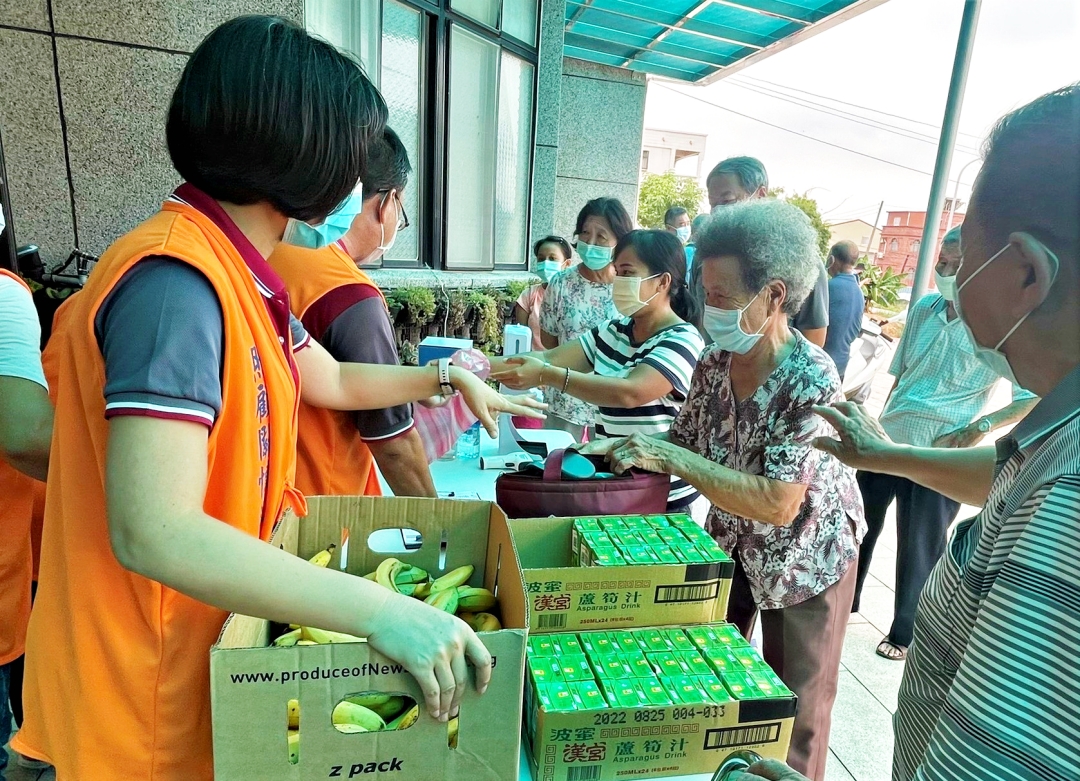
<point x="984" y="425"/>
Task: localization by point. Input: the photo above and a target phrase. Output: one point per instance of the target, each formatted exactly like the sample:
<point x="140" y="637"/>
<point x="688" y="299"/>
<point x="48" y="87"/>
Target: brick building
<point x="901" y="237"/>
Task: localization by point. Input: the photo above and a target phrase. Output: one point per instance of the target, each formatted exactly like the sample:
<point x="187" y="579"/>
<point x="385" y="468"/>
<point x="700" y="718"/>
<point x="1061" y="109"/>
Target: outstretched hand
<point x="486" y="403"/>
<point x="769" y="770"/>
<point x="519" y="372"/>
<point x="863" y="443"/>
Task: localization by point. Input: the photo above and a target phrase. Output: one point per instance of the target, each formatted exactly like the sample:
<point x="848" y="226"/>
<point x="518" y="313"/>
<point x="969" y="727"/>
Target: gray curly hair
<point x="771" y="240"/>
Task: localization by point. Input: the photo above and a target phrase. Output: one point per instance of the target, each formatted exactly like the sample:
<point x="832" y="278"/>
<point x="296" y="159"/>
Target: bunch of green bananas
<point x="448" y="593"/>
<point x="374" y="712"/>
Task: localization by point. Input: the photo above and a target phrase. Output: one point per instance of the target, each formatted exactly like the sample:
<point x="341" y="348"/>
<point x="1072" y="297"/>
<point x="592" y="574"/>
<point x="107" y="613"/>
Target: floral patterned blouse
<point x="574" y="306"/>
<point x="771" y="433"/>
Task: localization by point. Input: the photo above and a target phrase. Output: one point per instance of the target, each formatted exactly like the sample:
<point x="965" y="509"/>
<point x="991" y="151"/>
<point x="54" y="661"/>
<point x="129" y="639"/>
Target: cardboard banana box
<point x="274" y="709"/>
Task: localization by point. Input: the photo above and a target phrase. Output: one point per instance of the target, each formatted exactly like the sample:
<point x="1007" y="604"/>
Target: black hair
<point x="563" y="245"/>
<point x="663" y="253"/>
<point x="388" y="166"/>
<point x="264" y="112"/>
<point x="674" y="213"/>
<point x="1030" y="178"/>
<point x="845" y="252"/>
<point x="749" y="171"/>
<point x="610" y="209"/>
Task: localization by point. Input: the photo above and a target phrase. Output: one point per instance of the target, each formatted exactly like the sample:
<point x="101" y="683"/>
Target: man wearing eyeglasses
<point x="345" y="311"/>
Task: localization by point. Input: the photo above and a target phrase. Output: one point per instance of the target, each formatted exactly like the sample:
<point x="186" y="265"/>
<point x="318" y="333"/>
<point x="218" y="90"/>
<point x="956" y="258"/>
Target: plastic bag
<point x="440" y="427"/>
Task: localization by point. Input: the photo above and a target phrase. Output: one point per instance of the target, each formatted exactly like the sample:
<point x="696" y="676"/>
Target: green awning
<point x="695" y="40"/>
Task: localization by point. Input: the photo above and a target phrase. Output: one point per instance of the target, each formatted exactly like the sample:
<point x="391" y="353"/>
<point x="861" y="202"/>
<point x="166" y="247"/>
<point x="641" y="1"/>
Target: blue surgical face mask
<point x="992" y="357"/>
<point x="336" y="224"/>
<point x="546" y="269"/>
<point x="594" y="257"/>
<point x="724" y="326"/>
<point x="683" y="232"/>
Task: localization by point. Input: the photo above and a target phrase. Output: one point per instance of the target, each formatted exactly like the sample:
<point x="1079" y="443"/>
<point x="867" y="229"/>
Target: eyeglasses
<point x="403" y="218"/>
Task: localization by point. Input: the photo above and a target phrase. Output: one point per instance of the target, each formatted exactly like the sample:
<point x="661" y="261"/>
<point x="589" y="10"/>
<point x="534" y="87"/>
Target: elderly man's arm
<point x="963" y="474"/>
<point x="970" y="435"/>
<point x="749" y="496"/>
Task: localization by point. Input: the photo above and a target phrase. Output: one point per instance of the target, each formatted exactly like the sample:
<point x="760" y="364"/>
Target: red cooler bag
<point x="532" y="493"/>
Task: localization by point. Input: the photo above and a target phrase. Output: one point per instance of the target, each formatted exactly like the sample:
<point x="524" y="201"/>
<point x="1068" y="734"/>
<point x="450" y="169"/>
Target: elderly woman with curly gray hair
<point x="790" y="515"/>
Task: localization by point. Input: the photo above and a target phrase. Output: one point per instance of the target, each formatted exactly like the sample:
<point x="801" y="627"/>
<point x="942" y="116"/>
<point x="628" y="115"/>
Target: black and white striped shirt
<point x="992" y="685"/>
<point x="672" y="351"/>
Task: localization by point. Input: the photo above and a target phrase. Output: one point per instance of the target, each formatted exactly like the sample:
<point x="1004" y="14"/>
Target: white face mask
<point x="546" y="269"/>
<point x="992" y="356"/>
<point x="946" y="286"/>
<point x="384" y="245"/>
<point x="724" y="326"/>
<point x="626" y="294"/>
<point x="683" y="232"/>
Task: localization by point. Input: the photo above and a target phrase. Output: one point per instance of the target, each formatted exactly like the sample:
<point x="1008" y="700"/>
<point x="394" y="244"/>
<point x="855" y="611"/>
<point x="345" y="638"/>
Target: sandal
<point x="891" y="651"/>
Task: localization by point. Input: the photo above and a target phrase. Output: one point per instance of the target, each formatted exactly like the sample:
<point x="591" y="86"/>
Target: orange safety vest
<point x="117" y="676"/>
<point x="331" y="458"/>
<point x="16" y="551"/>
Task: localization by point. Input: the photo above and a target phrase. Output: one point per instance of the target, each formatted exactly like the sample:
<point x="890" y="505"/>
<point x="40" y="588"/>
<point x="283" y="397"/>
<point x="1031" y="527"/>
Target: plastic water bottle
<point x="468" y="444"/>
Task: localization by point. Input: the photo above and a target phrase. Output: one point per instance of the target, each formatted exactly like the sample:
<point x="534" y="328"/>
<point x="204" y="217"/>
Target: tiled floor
<point x="861" y="742"/>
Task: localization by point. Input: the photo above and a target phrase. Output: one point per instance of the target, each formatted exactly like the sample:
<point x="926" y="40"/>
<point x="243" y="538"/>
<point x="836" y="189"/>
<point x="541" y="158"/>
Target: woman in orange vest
<point x="345" y="312"/>
<point x="174" y="448"/>
<point x="26" y="418"/>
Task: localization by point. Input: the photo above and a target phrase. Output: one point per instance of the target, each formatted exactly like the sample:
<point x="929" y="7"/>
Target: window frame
<point x="430" y="174"/>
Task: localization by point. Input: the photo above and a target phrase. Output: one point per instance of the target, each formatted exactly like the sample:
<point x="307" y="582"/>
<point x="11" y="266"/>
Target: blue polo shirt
<point x="846" y="305"/>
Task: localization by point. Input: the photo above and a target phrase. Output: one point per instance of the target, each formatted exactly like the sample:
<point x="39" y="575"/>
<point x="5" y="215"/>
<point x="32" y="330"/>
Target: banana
<point x="306" y="642"/>
<point x="294" y="714"/>
<point x="452" y="732"/>
<point x="406" y="719"/>
<point x="388" y="706"/>
<point x="369" y="576"/>
<point x="410" y="574"/>
<point x="444" y="600"/>
<point x="475" y="599"/>
<point x="452" y="579"/>
<point x="422" y="590"/>
<point x="325" y="637"/>
<point x="294" y="746"/>
<point x="350" y="717"/>
<point x="386" y="573"/>
<point x="411" y="589"/>
<point x="288" y="639"/>
<point x="481" y="622"/>
<point x="322" y="558"/>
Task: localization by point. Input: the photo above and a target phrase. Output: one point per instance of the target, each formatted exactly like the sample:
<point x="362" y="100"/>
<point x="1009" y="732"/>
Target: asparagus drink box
<point x="299" y="704"/>
<point x="649" y="702"/>
<point x="620" y="572"/>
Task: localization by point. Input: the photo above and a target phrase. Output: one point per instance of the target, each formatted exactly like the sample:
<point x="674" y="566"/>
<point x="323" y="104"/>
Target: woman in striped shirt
<point x="636" y="368"/>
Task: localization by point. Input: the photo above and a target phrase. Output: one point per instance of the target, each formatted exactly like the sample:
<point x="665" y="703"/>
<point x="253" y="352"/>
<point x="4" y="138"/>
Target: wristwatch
<point x="983" y="425"/>
<point x="445" y="388"/>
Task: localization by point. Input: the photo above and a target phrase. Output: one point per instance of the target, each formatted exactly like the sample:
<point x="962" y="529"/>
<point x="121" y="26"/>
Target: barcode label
<point x="688" y="592"/>
<point x="551" y="621"/>
<point x="742" y="736"/>
<point x="583" y="773"/>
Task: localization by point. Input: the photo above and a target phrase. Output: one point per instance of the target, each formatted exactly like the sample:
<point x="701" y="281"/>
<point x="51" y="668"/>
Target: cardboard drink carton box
<point x="563" y="597"/>
<point x="252" y="683"/>
<point x="670" y="724"/>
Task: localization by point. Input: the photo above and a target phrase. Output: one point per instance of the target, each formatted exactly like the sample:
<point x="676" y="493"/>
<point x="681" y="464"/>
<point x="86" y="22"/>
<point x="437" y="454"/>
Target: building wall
<point x="549" y="79"/>
<point x="858" y="231"/>
<point x="905" y="257"/>
<point x="82" y="110"/>
<point x="601" y="113"/>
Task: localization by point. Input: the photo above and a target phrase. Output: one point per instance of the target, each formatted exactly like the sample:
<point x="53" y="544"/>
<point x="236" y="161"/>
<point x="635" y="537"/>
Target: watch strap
<point x="445" y="387"/>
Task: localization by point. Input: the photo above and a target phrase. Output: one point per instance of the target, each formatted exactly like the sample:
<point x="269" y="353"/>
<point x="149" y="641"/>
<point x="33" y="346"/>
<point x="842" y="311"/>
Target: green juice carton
<point x="559" y="696"/>
<point x="612" y="666"/>
<point x="741" y="685"/>
<point x="637" y="664"/>
<point x="653" y="691"/>
<point x="566" y="644"/>
<point x="665" y="663"/>
<point x="651" y="639"/>
<point x="589" y="695"/>
<point x="612" y="524"/>
<point x="747" y="656"/>
<point x="597" y="644"/>
<point x="723" y="661"/>
<point x="678" y="640"/>
<point x="623" y="640"/>
<point x="728" y="635"/>
<point x="575" y="667"/>
<point x="621" y="694"/>
<point x="701" y="636"/>
<point x="715" y="689"/>
<point x="692" y="663"/>
<point x="541" y="645"/>
<point x="658" y="521"/>
<point x="664" y="554"/>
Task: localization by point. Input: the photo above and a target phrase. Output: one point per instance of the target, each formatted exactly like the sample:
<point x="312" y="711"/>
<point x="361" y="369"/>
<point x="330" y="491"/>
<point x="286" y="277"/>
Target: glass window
<point x="483" y="11"/>
<point x="894" y="245"/>
<point x="519" y="20"/>
<point x="471" y="150"/>
<point x="915" y="245"/>
<point x="401" y="46"/>
<point x="351" y="26"/>
<point x="514" y="158"/>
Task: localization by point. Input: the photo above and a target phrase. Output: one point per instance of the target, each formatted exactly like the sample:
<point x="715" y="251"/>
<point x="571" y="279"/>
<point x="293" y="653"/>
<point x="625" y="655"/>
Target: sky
<point x="896" y="58"/>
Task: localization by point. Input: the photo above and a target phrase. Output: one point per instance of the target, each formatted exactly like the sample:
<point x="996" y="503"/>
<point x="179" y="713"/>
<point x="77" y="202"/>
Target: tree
<point x="810" y="207"/>
<point x="659" y="192"/>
